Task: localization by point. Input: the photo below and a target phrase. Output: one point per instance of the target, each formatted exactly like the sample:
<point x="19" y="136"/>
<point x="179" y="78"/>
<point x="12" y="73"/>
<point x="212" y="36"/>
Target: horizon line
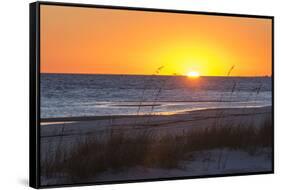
<point x="156" y="75"/>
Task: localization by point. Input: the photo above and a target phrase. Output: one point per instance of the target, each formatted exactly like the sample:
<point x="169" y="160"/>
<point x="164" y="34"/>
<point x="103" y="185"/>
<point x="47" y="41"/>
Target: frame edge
<point x="33" y="106"/>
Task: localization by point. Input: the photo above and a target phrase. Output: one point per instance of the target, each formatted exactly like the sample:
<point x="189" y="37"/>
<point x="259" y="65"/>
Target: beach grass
<point x="91" y="156"/>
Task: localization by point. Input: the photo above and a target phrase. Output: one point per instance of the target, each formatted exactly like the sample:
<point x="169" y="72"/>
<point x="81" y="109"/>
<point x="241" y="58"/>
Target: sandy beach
<point x="67" y="133"/>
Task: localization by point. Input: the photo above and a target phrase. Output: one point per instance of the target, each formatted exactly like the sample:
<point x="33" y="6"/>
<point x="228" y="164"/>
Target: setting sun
<point x="193" y="74"/>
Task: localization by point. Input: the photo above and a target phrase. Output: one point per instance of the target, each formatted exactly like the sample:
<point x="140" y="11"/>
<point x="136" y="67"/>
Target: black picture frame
<point x="34" y="93"/>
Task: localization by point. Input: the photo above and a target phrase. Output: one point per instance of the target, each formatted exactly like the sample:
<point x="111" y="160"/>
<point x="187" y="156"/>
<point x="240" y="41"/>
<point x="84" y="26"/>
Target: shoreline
<point x="156" y="124"/>
<point x="105" y="117"/>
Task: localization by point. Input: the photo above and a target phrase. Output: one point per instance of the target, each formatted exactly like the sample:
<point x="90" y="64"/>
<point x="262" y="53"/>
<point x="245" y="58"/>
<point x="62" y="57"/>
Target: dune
<point x="213" y="147"/>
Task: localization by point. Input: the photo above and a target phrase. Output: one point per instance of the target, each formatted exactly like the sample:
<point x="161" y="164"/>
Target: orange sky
<point x="104" y="41"/>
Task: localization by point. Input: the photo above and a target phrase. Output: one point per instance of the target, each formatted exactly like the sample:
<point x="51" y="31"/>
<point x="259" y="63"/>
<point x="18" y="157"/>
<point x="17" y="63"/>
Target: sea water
<point x="68" y="95"/>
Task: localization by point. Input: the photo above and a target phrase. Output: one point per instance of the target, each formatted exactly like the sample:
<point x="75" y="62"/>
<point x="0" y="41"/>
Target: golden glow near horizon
<point x="193" y="74"/>
<point x="106" y="41"/>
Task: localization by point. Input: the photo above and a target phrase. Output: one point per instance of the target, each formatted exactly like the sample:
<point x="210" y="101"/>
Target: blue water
<point x="64" y="95"/>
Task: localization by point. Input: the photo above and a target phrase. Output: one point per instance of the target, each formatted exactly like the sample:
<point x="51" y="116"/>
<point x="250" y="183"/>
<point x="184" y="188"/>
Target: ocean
<point x="68" y="95"/>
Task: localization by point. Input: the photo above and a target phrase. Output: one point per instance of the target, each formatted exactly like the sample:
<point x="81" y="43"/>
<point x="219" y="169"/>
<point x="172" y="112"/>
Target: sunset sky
<point x="104" y="41"/>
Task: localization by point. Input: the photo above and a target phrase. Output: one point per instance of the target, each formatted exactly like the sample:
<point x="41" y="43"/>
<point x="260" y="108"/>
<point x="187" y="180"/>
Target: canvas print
<point x="144" y="95"/>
